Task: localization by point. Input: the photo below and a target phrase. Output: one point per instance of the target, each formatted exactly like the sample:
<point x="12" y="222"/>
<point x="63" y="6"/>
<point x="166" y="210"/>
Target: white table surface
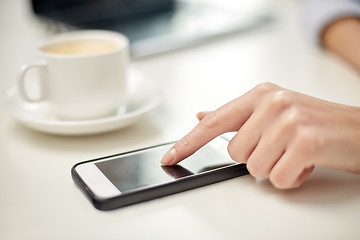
<point x="38" y="199"/>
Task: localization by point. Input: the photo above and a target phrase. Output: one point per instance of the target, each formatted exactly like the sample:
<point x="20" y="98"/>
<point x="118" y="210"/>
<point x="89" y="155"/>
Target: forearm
<point x="343" y="38"/>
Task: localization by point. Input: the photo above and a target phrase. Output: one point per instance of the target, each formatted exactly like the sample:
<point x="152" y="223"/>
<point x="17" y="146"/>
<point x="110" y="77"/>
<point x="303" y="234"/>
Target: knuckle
<point x="306" y="135"/>
<point x="280" y="100"/>
<point x="256" y="170"/>
<point x="265" y="87"/>
<point x="291" y="121"/>
<point x="277" y="181"/>
<point x="182" y="144"/>
<point x="307" y="142"/>
<point x="303" y="136"/>
<point x="234" y="153"/>
<point x="210" y="120"/>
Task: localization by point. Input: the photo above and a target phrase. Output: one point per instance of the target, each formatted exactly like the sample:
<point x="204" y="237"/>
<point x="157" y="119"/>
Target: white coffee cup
<point x="82" y="74"/>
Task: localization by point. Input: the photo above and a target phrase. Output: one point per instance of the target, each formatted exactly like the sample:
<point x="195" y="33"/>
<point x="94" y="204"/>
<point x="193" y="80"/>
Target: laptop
<point x="152" y="26"/>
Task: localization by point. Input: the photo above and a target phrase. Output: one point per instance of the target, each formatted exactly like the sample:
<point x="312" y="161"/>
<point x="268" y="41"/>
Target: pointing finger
<point x="229" y="117"/>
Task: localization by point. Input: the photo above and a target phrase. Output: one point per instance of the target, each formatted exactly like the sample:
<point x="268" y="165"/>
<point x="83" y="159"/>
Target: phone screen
<point x="129" y="178"/>
<point x="143" y="169"/>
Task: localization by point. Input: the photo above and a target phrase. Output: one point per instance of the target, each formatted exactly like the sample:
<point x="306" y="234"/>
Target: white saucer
<point x="144" y="96"/>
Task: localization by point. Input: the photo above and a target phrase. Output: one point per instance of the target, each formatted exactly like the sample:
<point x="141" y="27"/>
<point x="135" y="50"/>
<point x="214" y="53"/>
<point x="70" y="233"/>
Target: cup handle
<point x="21" y="80"/>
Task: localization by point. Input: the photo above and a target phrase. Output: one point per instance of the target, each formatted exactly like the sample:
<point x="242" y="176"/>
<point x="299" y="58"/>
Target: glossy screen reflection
<point x="143" y="169"/>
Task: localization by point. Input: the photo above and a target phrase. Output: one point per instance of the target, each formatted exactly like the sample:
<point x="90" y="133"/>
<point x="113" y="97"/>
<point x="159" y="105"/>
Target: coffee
<point x="81" y="47"/>
<point x="83" y="74"/>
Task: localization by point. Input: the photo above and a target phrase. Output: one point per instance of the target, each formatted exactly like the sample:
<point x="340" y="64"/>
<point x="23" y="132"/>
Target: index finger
<point x="229" y="117"/>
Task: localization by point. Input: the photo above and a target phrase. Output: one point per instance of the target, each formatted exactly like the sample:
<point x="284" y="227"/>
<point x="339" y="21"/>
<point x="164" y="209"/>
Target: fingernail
<point x="169" y="157"/>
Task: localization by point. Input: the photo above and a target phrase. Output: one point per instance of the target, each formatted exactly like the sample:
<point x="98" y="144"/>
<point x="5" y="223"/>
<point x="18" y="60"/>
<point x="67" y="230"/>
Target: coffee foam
<point x="81" y="47"/>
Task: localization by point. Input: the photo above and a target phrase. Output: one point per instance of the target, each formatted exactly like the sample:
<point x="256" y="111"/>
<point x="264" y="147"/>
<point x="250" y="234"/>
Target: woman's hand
<point x="281" y="135"/>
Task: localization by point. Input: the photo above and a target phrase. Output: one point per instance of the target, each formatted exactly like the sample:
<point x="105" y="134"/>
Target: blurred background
<point x="247" y="38"/>
<point x="241" y="36"/>
<point x="154" y="26"/>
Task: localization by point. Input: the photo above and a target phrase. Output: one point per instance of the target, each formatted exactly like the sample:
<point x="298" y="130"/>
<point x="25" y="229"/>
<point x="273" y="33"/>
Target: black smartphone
<point x="133" y="177"/>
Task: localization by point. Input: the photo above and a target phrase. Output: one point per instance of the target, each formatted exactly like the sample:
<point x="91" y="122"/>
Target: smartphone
<point x="137" y="176"/>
